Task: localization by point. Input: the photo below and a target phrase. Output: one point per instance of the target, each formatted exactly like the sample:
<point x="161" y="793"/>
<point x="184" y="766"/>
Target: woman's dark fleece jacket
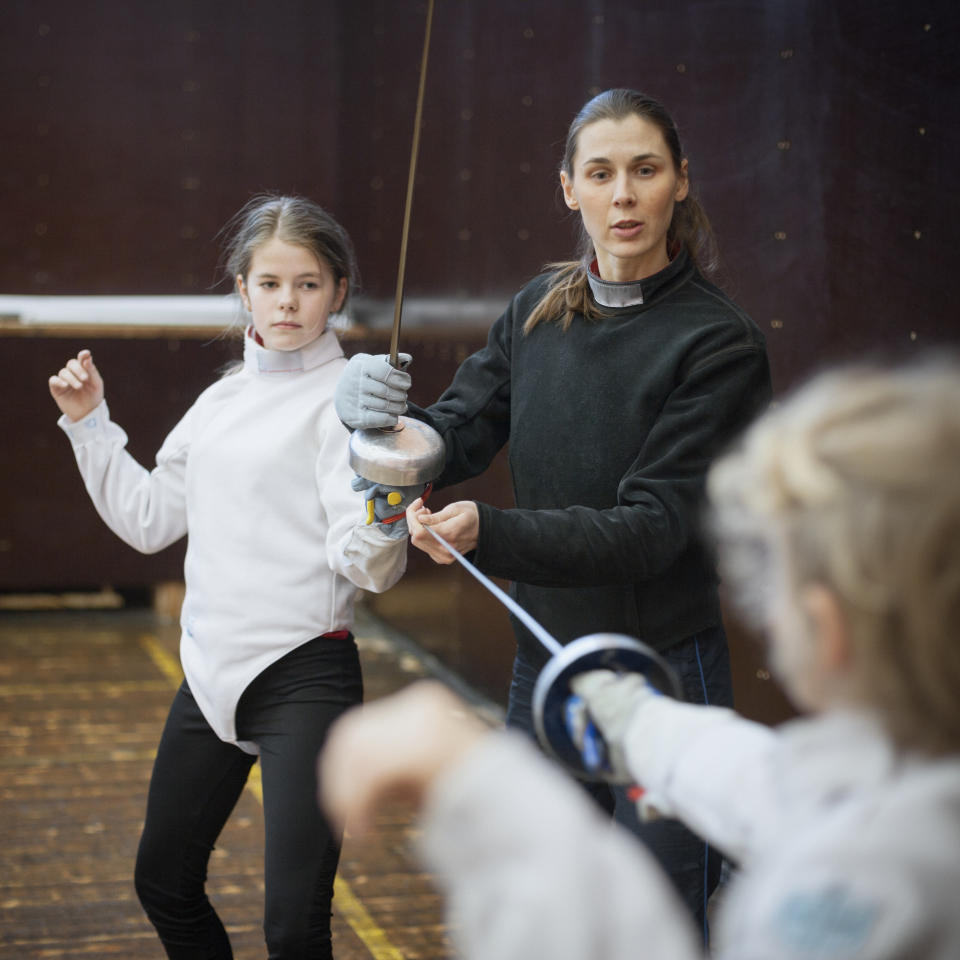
<point x="612" y="425"/>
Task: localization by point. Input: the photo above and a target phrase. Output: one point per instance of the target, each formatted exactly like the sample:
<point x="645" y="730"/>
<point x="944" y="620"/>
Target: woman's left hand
<point x="458" y="523"/>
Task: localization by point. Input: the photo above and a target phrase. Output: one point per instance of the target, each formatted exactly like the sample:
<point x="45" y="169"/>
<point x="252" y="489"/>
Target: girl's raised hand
<point x="78" y="387"/>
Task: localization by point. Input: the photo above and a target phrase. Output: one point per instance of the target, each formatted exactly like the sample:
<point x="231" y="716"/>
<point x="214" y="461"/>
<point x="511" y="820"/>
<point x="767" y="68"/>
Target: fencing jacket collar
<point x="259" y="359"/>
<point x="631" y="293"/>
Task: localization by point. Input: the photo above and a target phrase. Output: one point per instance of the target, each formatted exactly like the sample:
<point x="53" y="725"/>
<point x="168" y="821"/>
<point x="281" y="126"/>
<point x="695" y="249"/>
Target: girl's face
<point x="290" y="294"/>
<point x="624" y="184"/>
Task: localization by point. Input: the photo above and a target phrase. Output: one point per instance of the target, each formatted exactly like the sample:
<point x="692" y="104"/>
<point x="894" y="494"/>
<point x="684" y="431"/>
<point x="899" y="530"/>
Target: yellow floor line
<point x="363" y="925"/>
<point x="168" y="664"/>
<point x="344" y="901"/>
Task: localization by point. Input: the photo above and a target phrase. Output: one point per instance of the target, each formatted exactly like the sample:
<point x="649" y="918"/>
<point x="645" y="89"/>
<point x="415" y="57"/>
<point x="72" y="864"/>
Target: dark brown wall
<point x="823" y="137"/>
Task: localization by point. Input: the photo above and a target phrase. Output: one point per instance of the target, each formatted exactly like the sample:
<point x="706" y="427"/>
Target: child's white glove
<point x="386" y="505"/>
<point x="371" y="392"/>
<point x="611" y="700"/>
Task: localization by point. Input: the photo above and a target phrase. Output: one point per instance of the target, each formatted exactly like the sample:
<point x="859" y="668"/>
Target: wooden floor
<point x="83" y="697"/>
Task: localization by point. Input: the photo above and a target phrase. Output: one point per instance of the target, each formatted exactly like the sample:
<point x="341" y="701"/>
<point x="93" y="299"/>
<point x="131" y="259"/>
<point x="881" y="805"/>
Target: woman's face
<point x="624" y="184"/>
<point x="290" y="294"/>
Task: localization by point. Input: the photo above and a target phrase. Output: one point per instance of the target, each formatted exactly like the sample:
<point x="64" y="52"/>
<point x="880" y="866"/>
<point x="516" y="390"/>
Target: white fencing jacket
<point x="846" y="848"/>
<point x="257" y="474"/>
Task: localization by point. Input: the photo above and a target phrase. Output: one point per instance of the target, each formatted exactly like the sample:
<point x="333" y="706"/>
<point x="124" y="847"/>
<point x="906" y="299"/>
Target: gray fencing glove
<point x="370" y="392"/>
<point x="611" y="700"/>
<point x="386" y="505"/>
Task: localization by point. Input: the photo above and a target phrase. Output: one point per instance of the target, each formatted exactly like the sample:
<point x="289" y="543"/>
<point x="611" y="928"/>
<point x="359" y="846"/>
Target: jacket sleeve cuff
<point x="96" y="425"/>
<point x="484" y="524"/>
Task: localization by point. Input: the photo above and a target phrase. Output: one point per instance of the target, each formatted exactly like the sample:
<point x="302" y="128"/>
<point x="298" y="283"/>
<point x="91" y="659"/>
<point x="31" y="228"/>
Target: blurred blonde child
<point x="838" y="524"/>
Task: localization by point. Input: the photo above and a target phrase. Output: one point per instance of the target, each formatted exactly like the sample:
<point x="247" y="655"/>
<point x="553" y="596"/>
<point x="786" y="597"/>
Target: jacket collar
<point x="632" y="293"/>
<point x="259" y="359"/>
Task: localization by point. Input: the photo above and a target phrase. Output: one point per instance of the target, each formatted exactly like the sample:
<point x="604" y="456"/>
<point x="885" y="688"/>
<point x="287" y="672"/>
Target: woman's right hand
<point x="78" y="387"/>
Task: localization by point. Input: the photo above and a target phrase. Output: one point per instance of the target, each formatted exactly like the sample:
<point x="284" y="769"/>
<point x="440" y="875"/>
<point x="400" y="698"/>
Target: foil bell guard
<point x="410" y="453"/>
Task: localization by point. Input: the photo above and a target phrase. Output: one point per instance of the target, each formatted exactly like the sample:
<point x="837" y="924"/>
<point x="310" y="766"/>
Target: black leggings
<point x="197" y="780"/>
